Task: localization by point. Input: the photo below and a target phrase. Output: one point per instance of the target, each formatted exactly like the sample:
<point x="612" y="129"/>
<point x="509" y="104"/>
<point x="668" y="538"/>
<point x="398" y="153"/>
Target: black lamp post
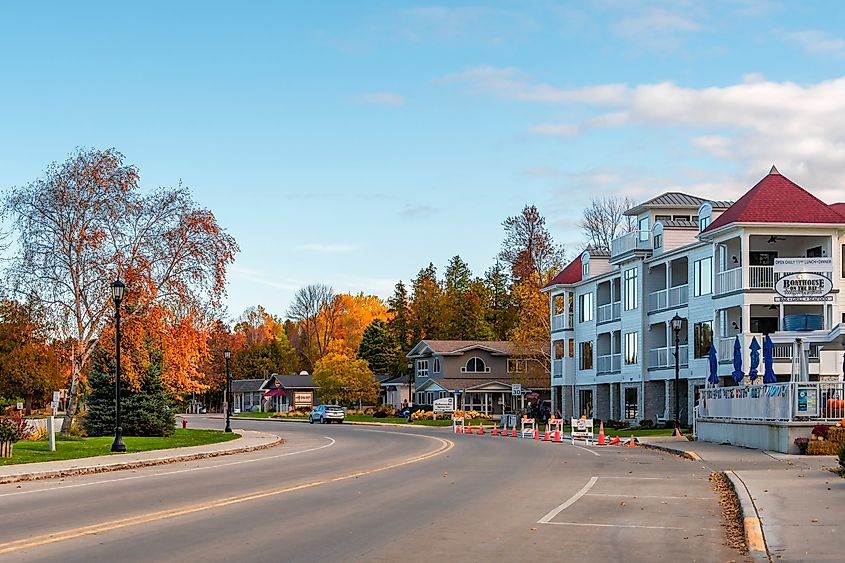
<point x="677" y="326"/>
<point x="117" y="289"/>
<point x="228" y="354"/>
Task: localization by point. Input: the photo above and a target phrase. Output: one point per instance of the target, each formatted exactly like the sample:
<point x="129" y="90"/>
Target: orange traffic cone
<point x="513" y="432"/>
<point x="536" y="433"/>
<point x="547" y="435"/>
<point x="677" y="433"/>
<point x="557" y="437"/>
<point x="480" y="429"/>
<point x="601" y="435"/>
<point x="495" y="429"/>
<point x="632" y="442"/>
<point x="615" y="440"/>
<point x="457" y="429"/>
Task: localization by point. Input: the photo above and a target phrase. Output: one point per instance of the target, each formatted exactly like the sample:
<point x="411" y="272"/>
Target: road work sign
<point x="582" y="429"/>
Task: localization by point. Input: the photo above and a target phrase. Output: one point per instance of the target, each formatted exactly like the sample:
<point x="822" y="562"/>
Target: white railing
<point x="726" y="347"/>
<point x="783" y="402"/>
<point x="729" y="280"/>
<point x="557" y="368"/>
<point x="765" y="277"/>
<point x="659" y="358"/>
<point x="635" y="240"/>
<point x="559" y="322"/>
<point x="608" y="363"/>
<point x="609" y="312"/>
<point x="616" y="363"/>
<point x="780" y="352"/>
<point x="666" y="298"/>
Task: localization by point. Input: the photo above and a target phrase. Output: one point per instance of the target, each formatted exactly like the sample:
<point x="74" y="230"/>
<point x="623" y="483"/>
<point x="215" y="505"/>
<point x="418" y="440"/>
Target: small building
<point x="396" y="390"/>
<point x="278" y="393"/>
<point x="481" y="374"/>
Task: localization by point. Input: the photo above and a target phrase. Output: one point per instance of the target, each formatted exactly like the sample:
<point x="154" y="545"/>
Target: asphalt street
<point x="362" y="493"/>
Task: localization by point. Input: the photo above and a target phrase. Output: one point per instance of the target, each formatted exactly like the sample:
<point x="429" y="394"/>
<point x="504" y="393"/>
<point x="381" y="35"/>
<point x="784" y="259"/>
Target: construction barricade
<point x="527" y="428"/>
<point x="582" y="431"/>
<point x="458" y="426"/>
<point x="555" y="429"/>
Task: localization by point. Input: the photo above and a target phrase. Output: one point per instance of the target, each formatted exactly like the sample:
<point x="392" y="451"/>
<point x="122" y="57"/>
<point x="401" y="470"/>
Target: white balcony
<point x="729" y="280"/>
<point x="559" y="322"/>
<point x="780" y="352"/>
<point x="667" y="298"/>
<point x="764" y="277"/>
<point x="635" y="240"/>
<point x="609" y="312"/>
<point x="661" y="358"/>
<point x="609" y="363"/>
<point x="557" y="368"/>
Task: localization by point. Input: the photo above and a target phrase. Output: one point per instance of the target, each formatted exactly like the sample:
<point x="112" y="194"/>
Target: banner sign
<point x="803" y="287"/>
<point x="756" y="402"/>
<point x="793" y="265"/>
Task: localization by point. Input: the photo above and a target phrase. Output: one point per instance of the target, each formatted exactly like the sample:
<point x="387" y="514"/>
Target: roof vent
<point x="774" y="170"/>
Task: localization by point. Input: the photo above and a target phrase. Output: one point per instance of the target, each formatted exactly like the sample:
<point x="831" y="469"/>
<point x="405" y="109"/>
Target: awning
<point x="279" y="392"/>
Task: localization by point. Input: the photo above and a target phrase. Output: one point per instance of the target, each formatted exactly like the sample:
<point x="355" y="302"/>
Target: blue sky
<point x="350" y="143"/>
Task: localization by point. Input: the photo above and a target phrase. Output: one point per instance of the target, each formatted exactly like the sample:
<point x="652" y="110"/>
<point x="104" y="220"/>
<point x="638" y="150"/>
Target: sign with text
<point x="446" y="404"/>
<point x="302" y="399"/>
<point x="516" y="389"/>
<point x="755" y="402"/>
<point x="803" y="287"/>
<point x="794" y="265"/>
<point x="582" y="429"/>
<point x="807" y="401"/>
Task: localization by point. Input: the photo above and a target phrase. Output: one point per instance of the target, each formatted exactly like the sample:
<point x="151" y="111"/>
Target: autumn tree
<point x="343" y="379"/>
<point x="530" y="336"/>
<point x="30" y="366"/>
<point x="87" y="222"/>
<point x="426" y="305"/>
<point x="605" y="220"/>
<point x="262" y="346"/>
<point x="464" y="304"/>
<point x="380" y="350"/>
<point x="315" y="310"/>
<point x="355" y="313"/>
<point x="529" y="248"/>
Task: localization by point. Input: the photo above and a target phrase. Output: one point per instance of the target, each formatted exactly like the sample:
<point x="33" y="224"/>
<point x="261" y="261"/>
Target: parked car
<point x="327" y="413"/>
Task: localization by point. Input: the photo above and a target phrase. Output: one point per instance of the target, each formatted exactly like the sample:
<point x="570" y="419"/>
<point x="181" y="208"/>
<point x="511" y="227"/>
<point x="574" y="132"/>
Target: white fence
<point x="777" y="402"/>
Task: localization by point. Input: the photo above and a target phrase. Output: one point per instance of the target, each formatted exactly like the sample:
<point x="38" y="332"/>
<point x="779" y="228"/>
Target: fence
<point x="776" y="402"/>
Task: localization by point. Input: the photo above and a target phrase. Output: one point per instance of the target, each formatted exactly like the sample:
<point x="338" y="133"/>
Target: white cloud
<point x="819" y="42"/>
<point x="755" y="123"/>
<point x="328" y="248"/>
<point x="262" y="278"/>
<point x="382" y="99"/>
<point x="556" y="130"/>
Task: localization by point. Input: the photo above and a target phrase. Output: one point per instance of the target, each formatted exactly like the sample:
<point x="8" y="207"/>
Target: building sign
<point x="807" y="401"/>
<point x="446" y="404"/>
<point x="794" y="265"/>
<point x="302" y="399"/>
<point x="755" y="402"/>
<point x="803" y="287"/>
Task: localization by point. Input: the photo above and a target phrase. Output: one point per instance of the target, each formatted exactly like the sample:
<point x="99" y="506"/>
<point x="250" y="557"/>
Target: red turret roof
<point x="570" y="274"/>
<point x="839" y="207"/>
<point x="777" y="199"/>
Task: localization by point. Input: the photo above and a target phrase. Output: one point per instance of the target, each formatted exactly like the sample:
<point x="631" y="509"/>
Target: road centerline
<point x="572" y="500"/>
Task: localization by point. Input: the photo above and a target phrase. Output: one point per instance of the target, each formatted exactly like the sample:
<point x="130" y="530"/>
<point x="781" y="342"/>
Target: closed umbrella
<point x="755" y="359"/>
<point x="714" y="366"/>
<point x="737" y="373"/>
<point x="768" y="361"/>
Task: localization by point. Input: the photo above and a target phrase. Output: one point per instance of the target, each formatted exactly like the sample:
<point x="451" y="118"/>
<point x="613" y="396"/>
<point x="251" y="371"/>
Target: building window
<point x="662" y="218"/>
<point x="658" y="241"/>
<point x="585" y="353"/>
<point x="843" y="260"/>
<point x="422" y="368"/>
<point x="559" y="304"/>
<point x="631" y="410"/>
<point x="586" y="303"/>
<point x="586" y="397"/>
<point x="436" y="365"/>
<point x="585" y="269"/>
<point x="475" y="365"/>
<point x="558" y="351"/>
<point x="630" y="348"/>
<point x="572" y="345"/>
<point x="703" y="223"/>
<point x="703" y="273"/>
<point x="703" y="336"/>
<point x="519" y="366"/>
<point x="630" y="291"/>
<point x="643" y="227"/>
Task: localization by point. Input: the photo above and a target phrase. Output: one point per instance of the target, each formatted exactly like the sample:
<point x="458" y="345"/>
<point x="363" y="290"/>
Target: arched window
<point x="436" y="365"/>
<point x="585" y="264"/>
<point x="705" y="215"/>
<point x="657" y="235"/>
<point x="475" y="365"/>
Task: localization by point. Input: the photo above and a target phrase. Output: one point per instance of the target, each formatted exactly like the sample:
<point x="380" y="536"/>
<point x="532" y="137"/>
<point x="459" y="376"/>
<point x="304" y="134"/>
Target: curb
<point x="119" y="466"/>
<point x="754" y="538"/>
<point x="692" y="456"/>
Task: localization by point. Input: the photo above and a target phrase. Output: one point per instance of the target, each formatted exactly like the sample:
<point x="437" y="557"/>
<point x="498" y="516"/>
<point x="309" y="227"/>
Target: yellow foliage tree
<point x="343" y="379"/>
<point x="354" y="314"/>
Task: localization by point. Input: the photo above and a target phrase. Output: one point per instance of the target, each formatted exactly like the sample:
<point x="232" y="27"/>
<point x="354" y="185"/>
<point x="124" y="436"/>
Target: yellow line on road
<point x="73" y="533"/>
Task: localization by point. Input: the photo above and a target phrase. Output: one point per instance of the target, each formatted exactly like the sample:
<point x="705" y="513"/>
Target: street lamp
<point x="228" y="354"/>
<point x="677" y="326"/>
<point x="117" y="290"/>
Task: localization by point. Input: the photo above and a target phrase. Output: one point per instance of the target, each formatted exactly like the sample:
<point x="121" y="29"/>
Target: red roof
<point x="777" y="199"/>
<point x="839" y="207"/>
<point x="570" y="274"/>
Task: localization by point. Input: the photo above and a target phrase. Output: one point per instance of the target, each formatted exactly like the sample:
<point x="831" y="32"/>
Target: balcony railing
<point x="609" y="312"/>
<point x="659" y="358"/>
<point x="609" y="363"/>
<point x="729" y="280"/>
<point x="780" y="352"/>
<point x="559" y="322"/>
<point x="635" y="240"/>
<point x="667" y="298"/>
<point x="764" y="277"/>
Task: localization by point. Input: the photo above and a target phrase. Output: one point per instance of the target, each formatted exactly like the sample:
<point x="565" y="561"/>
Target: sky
<point x="352" y="143"/>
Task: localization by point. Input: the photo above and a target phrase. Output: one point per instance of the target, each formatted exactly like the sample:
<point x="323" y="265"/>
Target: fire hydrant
<point x="184" y="423"/>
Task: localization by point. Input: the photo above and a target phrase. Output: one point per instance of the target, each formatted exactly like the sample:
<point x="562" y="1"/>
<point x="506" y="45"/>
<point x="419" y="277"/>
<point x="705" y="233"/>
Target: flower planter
<point x="6" y="449"/>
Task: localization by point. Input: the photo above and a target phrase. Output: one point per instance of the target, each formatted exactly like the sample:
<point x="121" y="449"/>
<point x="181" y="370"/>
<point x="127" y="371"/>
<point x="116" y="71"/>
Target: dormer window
<point x="705" y="215"/>
<point x="585" y="265"/>
<point x="475" y="365"/>
<point x="657" y="235"/>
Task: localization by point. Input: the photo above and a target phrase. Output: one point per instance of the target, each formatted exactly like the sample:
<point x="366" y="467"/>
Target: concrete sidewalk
<point x="798" y="502"/>
<point x="249" y="441"/>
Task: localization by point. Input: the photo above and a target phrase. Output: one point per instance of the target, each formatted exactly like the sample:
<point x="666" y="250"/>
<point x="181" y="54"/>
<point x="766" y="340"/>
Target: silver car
<point x="326" y="413"/>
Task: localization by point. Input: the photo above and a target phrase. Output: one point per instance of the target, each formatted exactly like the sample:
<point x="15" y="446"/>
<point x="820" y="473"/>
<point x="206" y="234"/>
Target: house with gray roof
<point x="277" y="393"/>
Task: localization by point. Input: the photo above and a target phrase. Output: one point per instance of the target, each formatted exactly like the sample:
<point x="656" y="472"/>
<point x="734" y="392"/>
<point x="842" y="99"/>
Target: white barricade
<point x="455" y="421"/>
<point x="529" y="426"/>
<point x="582" y="430"/>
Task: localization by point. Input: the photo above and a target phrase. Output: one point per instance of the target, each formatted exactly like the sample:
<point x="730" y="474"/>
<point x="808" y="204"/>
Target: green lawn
<point x="253" y="415"/>
<point x="73" y="448"/>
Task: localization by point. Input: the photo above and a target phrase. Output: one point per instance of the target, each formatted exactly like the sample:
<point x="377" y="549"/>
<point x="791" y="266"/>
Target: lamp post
<point x="677" y="325"/>
<point x="228" y="354"/>
<point x="117" y="290"/>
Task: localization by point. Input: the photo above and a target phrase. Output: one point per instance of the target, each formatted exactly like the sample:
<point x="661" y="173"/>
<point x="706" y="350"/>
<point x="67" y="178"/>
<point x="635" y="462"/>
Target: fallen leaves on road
<point x="733" y="524"/>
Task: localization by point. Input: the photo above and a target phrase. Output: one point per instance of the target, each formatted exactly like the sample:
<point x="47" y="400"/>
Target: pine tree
<point x="99" y="420"/>
<point x="501" y="310"/>
<point x="400" y="324"/>
<point x="426" y="305"/>
<point x="380" y="350"/>
<point x="464" y="304"/>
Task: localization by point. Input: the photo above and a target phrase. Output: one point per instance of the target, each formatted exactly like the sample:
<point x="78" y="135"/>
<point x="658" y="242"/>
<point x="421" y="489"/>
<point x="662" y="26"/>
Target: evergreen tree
<point x="99" y="420"/>
<point x="400" y="324"/>
<point x="426" y="306"/>
<point x="501" y="309"/>
<point x="149" y="412"/>
<point x="380" y="350"/>
<point x="464" y="303"/>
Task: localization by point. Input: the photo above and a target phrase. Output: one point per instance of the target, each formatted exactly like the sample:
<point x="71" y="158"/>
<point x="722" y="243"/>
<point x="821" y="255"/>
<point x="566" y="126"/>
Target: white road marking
<point x="586" y="450"/>
<point x="555" y="511"/>
<point x="332" y="442"/>
<point x="625" y="526"/>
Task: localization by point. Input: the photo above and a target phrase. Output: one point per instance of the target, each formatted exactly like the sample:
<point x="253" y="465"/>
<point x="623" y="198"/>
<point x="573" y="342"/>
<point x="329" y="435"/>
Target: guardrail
<point x="776" y="402"/>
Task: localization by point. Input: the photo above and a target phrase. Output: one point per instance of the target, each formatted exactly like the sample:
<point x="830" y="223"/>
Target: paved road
<point x="353" y="493"/>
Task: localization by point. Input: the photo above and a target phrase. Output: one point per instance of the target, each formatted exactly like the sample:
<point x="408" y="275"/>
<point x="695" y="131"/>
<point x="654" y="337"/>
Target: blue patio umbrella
<point x="755" y="359"/>
<point x="737" y="373"/>
<point x="768" y="360"/>
<point x="714" y="366"/>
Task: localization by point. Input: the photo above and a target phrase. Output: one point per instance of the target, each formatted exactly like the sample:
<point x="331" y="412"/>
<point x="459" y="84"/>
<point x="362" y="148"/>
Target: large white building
<point x="710" y="262"/>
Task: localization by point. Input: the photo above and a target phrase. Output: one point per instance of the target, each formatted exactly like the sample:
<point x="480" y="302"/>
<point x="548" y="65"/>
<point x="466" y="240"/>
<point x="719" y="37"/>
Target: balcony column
<point x="745" y="282"/>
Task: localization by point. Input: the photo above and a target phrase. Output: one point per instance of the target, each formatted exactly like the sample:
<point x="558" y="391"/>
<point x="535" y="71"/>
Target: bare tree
<point x="315" y="308"/>
<point x="86" y="223"/>
<point x="529" y="247"/>
<point x="605" y="220"/>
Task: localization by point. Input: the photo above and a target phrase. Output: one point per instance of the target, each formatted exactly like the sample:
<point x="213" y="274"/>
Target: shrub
<point x="802" y="445"/>
<point x="821" y="430"/>
<point x="14" y="428"/>
<point x="39" y="434"/>
<point x="380" y="414"/>
<point x="646" y="423"/>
